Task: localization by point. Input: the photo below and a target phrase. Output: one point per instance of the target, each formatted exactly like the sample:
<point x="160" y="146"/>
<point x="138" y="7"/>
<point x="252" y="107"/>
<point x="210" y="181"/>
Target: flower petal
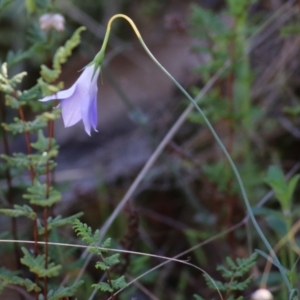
<point x="93" y="113"/>
<point x="61" y="95"/>
<point x="70" y="109"/>
<point x="80" y="100"/>
<point x="89" y="105"/>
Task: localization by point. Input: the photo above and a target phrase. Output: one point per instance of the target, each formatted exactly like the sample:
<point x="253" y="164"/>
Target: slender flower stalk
<point x="215" y="135"/>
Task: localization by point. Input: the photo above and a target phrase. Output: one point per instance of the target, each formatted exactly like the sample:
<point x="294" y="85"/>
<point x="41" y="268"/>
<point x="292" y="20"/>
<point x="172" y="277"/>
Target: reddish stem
<point x="46" y="211"/>
<point x="14" y="228"/>
<point x="32" y="177"/>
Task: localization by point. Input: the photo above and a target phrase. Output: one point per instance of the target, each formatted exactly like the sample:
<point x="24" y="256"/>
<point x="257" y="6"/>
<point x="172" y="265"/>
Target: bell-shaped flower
<point x="79" y="102"/>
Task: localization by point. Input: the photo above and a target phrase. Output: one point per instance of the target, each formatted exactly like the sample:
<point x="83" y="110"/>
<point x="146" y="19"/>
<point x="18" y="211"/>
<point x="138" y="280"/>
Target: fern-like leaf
<point x="20" y="126"/>
<point x="37" y="265"/>
<point x="39" y="194"/>
<point x="19" y="211"/>
<point x="60" y="57"/>
<point x="119" y="283"/>
<point x="103" y="286"/>
<point x="86" y="233"/>
<point x="62" y="293"/>
<point x="58" y="221"/>
<point x="108" y="262"/>
<point x="234" y="273"/>
<point x="9" y="277"/>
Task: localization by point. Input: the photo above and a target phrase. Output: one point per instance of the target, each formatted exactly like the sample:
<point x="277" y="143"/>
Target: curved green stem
<point x="232" y="164"/>
<point x="220" y="143"/>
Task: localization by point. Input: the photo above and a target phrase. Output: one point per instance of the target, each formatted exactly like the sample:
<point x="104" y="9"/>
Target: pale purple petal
<point x="89" y="105"/>
<point x="70" y="110"/>
<point x="80" y="100"/>
<point x="61" y="95"/>
<point x="93" y="114"/>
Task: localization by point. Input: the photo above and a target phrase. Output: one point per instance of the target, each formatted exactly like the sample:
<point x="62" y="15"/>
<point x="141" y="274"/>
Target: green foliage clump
<point x="19" y="211"/>
<point x="106" y="263"/>
<point x="37" y="265"/>
<point x="234" y="275"/>
<point x="283" y="189"/>
<point x="57" y="222"/>
<point x="8" y="277"/>
<point x="60" y="57"/>
<point x="39" y="195"/>
<point x="63" y="292"/>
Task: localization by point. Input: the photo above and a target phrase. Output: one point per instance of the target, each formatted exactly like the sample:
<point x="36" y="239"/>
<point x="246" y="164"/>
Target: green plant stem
<point x="291" y="253"/>
<point x="232" y="164"/>
<point x="32" y="176"/>
<point x="209" y="125"/>
<point x="109" y="280"/>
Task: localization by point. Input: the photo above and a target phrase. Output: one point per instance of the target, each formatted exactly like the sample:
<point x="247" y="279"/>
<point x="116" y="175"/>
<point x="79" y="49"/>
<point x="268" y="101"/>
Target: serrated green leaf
<point x="14" y="58"/>
<point x="214" y="284"/>
<point x="101" y="265"/>
<point x="119" y="283"/>
<point x="112" y="260"/>
<point x="58" y="221"/>
<point x="9" y="277"/>
<point x="106" y="244"/>
<point x="19" y="211"/>
<point x="19" y="126"/>
<point x="17" y="78"/>
<point x="60" y="57"/>
<point x="43" y="144"/>
<point x="40" y="122"/>
<point x="42" y="195"/>
<point x="8" y="85"/>
<point x="37" y="265"/>
<point x="49" y="89"/>
<point x="103" y="286"/>
<point x="38" y="162"/>
<point x="86" y="233"/>
<point x="12" y="102"/>
<point x="32" y="94"/>
<point x="63" y="292"/>
<point x="234" y="273"/>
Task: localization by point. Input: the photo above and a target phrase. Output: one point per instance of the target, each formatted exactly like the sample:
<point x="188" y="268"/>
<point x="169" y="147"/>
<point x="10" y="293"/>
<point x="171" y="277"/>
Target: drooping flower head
<point x="79" y="102"/>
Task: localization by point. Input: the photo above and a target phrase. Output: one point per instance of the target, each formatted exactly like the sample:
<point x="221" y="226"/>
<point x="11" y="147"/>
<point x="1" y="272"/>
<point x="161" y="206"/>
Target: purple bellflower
<point x="79" y="102"/>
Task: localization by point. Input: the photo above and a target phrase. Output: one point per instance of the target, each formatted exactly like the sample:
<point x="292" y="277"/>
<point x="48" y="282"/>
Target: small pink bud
<point x="49" y="21"/>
